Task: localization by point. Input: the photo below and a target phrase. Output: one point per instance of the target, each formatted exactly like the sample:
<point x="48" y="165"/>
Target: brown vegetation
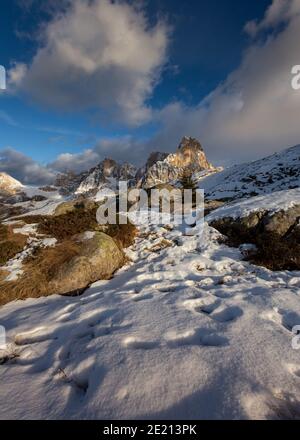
<point x="274" y="251"/>
<point x="44" y="266"/>
<point x="64" y="226"/>
<point x="39" y="269"/>
<point x="10" y="244"/>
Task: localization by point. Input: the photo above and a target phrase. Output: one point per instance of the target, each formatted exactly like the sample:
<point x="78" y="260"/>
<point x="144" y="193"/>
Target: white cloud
<point x="98" y="54"/>
<point x="280" y="11"/>
<point x="255" y="111"/>
<point x="121" y="149"/>
<point x="23" y="168"/>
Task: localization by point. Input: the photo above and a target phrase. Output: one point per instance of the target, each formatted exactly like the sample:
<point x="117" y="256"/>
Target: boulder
<point x="99" y="257"/>
<point x="71" y="205"/>
<point x="281" y="222"/>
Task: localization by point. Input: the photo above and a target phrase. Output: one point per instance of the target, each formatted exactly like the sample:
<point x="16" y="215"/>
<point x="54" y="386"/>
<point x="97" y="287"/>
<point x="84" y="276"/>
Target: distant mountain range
<point x="160" y="168"/>
<point x="280" y="171"/>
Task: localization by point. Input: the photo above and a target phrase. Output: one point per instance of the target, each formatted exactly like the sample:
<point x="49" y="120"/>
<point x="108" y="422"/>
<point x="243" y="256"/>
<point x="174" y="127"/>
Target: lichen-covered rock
<point x="98" y="259"/>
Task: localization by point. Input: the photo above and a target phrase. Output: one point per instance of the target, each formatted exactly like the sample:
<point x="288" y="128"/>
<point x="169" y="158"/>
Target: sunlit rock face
<point x="163" y="168"/>
<point x="8" y="184"/>
<point x="190" y="154"/>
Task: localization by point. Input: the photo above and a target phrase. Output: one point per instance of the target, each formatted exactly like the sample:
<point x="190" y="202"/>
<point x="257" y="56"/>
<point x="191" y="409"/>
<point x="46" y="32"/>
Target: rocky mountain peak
<point x="154" y="158"/>
<point x="108" y="167"/>
<point x="106" y="173"/>
<point x="190" y="154"/>
<point x="159" y="168"/>
<point x="168" y="167"/>
<point x="191" y="143"/>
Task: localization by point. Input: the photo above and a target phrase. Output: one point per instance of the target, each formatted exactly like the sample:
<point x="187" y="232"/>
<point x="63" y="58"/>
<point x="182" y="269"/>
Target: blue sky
<point x="187" y="50"/>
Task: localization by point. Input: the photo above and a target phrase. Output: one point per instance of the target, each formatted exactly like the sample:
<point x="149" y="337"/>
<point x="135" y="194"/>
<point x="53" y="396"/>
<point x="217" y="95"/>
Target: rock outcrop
<point x="275" y="235"/>
<point x="161" y="168"/>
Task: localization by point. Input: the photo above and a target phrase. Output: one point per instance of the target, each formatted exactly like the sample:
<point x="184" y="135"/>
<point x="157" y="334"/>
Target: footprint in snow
<point x="65" y="317"/>
<point x="202" y="305"/>
<point x="201" y="337"/>
<point x="228" y="314"/>
<point x="286" y="318"/>
<point x="137" y="343"/>
<point x="289" y="319"/>
<point x="139" y="298"/>
<point x="40" y="334"/>
<point x="208" y="308"/>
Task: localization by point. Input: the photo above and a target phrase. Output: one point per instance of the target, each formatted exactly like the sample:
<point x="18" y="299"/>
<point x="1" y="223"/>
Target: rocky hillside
<point x="274" y="173"/>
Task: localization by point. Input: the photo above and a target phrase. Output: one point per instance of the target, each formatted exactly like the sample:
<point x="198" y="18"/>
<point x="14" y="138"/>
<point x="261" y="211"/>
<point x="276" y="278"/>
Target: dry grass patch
<point x="123" y="235"/>
<point x="39" y="269"/>
<point x="65" y="226"/>
<point x="10" y="244"/>
<point x="3" y="274"/>
<point x="284" y="407"/>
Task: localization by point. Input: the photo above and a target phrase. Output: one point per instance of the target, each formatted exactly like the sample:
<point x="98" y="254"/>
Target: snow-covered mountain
<point x="8" y="184"/>
<point x="274" y="173"/>
<point x="159" y="168"/>
<point x="105" y="174"/>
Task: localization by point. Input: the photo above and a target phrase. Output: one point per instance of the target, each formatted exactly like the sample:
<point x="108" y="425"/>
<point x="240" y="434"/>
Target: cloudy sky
<point x="89" y="79"/>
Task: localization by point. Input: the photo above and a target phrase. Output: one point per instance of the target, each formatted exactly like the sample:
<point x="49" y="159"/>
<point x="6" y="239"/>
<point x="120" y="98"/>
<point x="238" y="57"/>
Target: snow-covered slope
<point x="274" y="173"/>
<point x="8" y="183"/>
<point x="186" y="332"/>
<point x="274" y="202"/>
